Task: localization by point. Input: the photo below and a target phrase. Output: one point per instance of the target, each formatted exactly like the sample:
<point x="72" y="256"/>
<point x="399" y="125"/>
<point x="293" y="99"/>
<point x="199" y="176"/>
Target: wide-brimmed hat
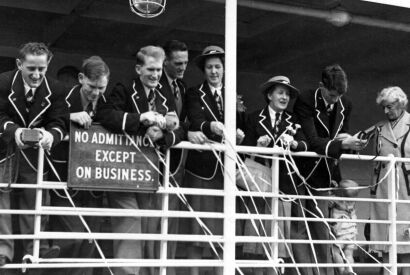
<point x="208" y="52"/>
<point x="279" y="80"/>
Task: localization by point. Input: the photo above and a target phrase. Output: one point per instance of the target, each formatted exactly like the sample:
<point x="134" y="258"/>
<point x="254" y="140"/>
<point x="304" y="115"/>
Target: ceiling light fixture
<point x="148" y="8"/>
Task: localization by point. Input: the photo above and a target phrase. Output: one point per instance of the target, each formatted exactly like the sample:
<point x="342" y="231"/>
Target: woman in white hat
<point x="270" y="126"/>
<point x="205" y="109"/>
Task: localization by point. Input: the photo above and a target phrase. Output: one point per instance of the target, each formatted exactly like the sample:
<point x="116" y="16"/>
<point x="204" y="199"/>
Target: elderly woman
<point x="274" y="125"/>
<point x="392" y="137"/>
<point x="205" y="111"/>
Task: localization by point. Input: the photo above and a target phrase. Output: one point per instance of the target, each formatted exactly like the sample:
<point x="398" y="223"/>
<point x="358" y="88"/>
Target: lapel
<point x="265" y="123"/>
<point x="40" y="105"/>
<point x="17" y="97"/>
<point x="73" y="100"/>
<point x="339" y="118"/>
<point x="139" y="98"/>
<point x="140" y="101"/>
<point x="161" y="100"/>
<point x="285" y="122"/>
<point x="320" y="109"/>
<point x="402" y="126"/>
<point x="208" y="100"/>
<point x="387" y="132"/>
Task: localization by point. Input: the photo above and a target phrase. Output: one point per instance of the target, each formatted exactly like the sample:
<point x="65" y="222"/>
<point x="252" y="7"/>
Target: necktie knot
<point x="29" y="99"/>
<point x="329" y="108"/>
<point x="30" y="96"/>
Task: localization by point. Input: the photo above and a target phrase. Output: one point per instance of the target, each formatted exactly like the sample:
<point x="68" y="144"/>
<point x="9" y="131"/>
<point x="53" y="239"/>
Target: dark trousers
<point x="76" y="248"/>
<point x="26" y="199"/>
<point x="303" y="253"/>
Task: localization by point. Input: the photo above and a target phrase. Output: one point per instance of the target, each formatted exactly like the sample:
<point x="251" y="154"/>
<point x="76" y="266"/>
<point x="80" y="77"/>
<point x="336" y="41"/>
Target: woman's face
<point x="392" y="108"/>
<point x="279" y="98"/>
<point x="214" y="71"/>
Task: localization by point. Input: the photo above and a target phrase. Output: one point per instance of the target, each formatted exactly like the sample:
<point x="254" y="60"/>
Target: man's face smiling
<point x="33" y="69"/>
<point x="176" y="64"/>
<point x="150" y="72"/>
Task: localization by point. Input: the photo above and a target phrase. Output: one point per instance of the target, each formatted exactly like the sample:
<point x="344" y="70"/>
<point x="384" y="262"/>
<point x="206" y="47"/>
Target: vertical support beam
<point x="275" y="210"/>
<point x="392" y="216"/>
<point x="164" y="219"/>
<point x="230" y="135"/>
<point x="39" y="196"/>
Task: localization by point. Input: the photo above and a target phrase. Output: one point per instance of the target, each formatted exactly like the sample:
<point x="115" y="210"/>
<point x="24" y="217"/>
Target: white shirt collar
<point x="27" y="88"/>
<point x="85" y="101"/>
<point x="170" y="80"/>
<point x="147" y="90"/>
<point x="327" y="103"/>
<point x="213" y="89"/>
<point x="272" y="114"/>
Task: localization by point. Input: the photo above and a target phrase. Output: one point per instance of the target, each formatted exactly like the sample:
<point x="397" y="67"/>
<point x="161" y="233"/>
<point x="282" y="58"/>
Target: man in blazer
<point x="175" y="64"/>
<point x="82" y="102"/>
<point x="324" y="116"/>
<point x="134" y="109"/>
<point x="28" y="100"/>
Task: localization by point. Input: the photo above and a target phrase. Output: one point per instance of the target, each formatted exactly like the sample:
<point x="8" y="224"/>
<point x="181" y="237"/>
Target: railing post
<point x="275" y="209"/>
<point x="165" y="209"/>
<point x="230" y="134"/>
<point x="392" y="215"/>
<point x="39" y="200"/>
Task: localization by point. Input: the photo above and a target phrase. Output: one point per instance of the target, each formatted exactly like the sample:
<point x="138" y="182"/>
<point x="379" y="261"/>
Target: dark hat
<point x="210" y="51"/>
<point x="281" y="80"/>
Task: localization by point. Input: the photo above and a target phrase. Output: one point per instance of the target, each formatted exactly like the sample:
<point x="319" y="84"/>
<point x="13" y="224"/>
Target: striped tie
<point x="29" y="99"/>
<point x="219" y="104"/>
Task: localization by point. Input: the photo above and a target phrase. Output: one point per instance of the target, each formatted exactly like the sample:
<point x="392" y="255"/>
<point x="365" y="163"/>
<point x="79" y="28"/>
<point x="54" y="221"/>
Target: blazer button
<point x="43" y="104"/>
<point x="395" y="145"/>
<point x="14" y="99"/>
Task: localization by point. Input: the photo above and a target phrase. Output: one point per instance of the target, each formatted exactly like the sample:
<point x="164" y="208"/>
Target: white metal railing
<point x="230" y="215"/>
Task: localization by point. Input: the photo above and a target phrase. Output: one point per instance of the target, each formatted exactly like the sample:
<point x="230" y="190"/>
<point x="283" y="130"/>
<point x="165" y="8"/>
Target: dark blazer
<point x="320" y="130"/>
<point x="259" y="124"/>
<point x="202" y="110"/>
<point x="59" y="154"/>
<point x="122" y="109"/>
<point x="176" y="154"/>
<point x="49" y="111"/>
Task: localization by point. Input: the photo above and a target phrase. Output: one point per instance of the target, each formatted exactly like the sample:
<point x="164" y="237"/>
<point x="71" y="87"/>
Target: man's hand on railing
<point x="154" y="133"/>
<point x="81" y="118"/>
<point x="46" y="140"/>
<point x="353" y="143"/>
<point x="197" y="137"/>
<point x="19" y="142"/>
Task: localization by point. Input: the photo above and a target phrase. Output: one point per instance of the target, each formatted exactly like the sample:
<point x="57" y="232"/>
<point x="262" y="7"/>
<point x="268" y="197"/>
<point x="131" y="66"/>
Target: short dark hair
<point x="94" y="67"/>
<point x="34" y="48"/>
<point x="334" y="78"/>
<point x="174" y="46"/>
<point x="152" y="51"/>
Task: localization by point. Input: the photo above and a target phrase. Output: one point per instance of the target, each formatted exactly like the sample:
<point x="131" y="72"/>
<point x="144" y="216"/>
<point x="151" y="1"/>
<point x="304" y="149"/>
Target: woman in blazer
<point x="205" y="110"/>
<point x="271" y="126"/>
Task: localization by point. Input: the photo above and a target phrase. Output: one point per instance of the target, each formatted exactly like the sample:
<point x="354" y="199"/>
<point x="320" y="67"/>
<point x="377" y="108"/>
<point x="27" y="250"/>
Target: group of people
<point x="320" y="122"/>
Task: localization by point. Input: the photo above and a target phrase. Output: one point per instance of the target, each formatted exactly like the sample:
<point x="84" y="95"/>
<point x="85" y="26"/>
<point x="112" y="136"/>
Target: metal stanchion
<point x="39" y="200"/>
<point x="165" y="209"/>
<point x="230" y="134"/>
<point x="392" y="216"/>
